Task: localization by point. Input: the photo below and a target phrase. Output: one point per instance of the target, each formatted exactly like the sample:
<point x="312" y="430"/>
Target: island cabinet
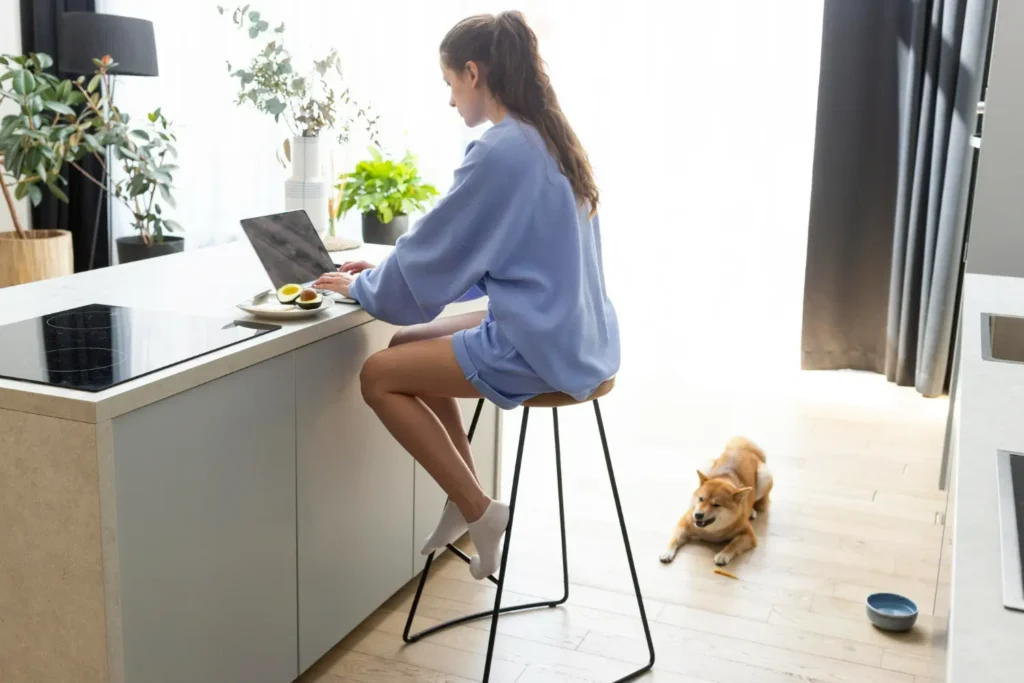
<point x="205" y="491"/>
<point x="227" y="518"/>
<point x="355" y="493"/>
<point x="262" y="516"/>
<point x="363" y="504"/>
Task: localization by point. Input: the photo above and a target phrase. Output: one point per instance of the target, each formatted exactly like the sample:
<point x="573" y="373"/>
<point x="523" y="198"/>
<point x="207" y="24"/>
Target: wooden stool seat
<point x="560" y="400"/>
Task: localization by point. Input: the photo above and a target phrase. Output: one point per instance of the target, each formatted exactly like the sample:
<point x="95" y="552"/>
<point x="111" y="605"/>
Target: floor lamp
<point x="84" y="36"/>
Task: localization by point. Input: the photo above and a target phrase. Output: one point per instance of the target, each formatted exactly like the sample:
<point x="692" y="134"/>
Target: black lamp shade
<point x="84" y="36"/>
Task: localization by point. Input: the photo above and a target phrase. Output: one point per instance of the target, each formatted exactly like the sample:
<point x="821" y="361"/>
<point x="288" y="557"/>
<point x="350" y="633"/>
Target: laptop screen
<point x="288" y="247"/>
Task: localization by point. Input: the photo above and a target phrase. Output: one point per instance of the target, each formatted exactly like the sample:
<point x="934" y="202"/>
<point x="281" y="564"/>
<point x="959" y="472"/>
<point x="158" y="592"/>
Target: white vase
<point x="307" y="189"/>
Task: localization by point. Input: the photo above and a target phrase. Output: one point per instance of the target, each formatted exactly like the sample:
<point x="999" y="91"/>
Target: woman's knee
<point x="371" y="378"/>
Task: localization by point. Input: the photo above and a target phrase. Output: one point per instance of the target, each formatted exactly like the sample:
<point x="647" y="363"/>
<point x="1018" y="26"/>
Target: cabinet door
<point x="205" y="490"/>
<point x="355" y="493"/>
<point x="429" y="496"/>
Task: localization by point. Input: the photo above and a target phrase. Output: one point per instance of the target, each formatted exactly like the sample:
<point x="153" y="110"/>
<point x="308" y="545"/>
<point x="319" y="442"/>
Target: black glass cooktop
<point x="95" y="347"/>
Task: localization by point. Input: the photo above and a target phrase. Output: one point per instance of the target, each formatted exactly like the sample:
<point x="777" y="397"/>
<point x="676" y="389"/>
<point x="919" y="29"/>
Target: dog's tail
<point x="742" y="443"/>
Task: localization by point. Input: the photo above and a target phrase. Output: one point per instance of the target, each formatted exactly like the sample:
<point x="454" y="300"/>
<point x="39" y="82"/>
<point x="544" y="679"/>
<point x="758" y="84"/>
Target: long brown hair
<point x="504" y="47"/>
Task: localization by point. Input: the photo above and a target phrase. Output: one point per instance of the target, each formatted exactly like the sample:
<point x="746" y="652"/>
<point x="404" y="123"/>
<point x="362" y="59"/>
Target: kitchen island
<point x="229" y="518"/>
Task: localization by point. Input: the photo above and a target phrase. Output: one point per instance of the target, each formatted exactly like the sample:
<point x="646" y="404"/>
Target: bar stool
<point x="554" y="402"/>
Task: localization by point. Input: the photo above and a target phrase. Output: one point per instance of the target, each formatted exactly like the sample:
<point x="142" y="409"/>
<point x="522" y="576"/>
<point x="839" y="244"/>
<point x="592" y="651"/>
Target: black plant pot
<point x="134" y="249"/>
<point x="375" y="232"/>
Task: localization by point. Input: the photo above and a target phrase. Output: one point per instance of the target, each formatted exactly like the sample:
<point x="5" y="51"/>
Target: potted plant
<point x="45" y="132"/>
<point x="144" y="159"/>
<point x="385" y="192"/>
<point x="310" y="103"/>
<point x="60" y="122"/>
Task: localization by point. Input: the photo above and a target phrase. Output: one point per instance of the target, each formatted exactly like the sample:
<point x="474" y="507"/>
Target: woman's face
<point x="468" y="93"/>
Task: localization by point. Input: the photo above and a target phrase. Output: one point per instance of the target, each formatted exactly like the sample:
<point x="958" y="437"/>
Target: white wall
<point x="996" y="241"/>
<point x="10" y="43"/>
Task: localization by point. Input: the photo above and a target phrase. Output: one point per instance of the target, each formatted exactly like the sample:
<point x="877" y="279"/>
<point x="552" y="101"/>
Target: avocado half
<point x="309" y="300"/>
<point x="289" y="293"/>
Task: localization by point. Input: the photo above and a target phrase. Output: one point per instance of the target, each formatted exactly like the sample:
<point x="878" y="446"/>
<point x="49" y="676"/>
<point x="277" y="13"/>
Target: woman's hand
<point x="335" y="282"/>
<point x="353" y="267"/>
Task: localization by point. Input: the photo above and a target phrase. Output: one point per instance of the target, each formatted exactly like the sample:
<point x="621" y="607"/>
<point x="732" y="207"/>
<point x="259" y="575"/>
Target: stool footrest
<point x="486" y="614"/>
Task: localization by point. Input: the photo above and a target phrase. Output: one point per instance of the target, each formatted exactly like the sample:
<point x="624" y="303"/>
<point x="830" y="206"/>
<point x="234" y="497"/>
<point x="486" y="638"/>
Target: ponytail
<point x="505" y="49"/>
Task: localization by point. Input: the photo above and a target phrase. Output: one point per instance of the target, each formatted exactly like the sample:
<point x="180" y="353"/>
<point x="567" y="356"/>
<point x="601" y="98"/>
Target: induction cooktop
<point x="95" y="347"/>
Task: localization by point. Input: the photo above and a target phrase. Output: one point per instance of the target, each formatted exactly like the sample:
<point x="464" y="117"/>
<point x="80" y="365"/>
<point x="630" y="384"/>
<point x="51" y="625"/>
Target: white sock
<point x="486" y="534"/>
<point x="449" y="529"/>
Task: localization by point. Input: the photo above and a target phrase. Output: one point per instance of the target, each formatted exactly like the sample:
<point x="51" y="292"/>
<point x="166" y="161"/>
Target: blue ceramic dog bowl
<point x="891" y="612"/>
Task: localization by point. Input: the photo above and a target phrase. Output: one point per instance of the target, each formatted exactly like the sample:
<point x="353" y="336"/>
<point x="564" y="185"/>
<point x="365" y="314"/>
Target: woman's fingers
<point x="355" y="266"/>
<point x="335" y="282"/>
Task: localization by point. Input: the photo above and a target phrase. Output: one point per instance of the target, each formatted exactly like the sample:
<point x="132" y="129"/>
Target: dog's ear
<point x="742" y="493"/>
<point x="703" y="477"/>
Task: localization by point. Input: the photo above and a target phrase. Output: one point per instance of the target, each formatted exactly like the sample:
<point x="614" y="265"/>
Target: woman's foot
<point x="451" y="527"/>
<point x="486" y="534"/>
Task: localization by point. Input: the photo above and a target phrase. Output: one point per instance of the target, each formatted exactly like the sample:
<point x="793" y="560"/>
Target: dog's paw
<point x="667" y="556"/>
<point x="722" y="559"/>
<point x="753" y="515"/>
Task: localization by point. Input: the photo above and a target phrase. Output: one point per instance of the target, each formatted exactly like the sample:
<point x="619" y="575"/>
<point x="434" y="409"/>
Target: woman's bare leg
<point x="394" y="381"/>
<point x="445" y="408"/>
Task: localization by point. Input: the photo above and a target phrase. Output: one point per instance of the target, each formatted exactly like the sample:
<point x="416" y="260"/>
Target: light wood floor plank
<point x="784" y="637"/>
<point x="681" y="642"/>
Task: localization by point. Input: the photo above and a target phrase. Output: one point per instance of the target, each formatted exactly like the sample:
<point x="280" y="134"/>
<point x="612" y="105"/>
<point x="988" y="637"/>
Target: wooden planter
<point x="43" y="254"/>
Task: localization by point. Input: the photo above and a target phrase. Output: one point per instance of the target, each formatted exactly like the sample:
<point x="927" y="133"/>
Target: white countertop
<point x="204" y="282"/>
<point x="986" y="640"/>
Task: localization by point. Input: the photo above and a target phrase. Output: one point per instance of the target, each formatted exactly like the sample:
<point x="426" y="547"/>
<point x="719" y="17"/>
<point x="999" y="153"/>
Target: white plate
<point x="266" y="306"/>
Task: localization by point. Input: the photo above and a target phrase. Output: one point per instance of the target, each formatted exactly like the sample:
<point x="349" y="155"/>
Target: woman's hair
<point x="504" y="47"/>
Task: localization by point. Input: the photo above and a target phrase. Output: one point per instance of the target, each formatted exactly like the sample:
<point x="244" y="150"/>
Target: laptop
<point x="290" y="249"/>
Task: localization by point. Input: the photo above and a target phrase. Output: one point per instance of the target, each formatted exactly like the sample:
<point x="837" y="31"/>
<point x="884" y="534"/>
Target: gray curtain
<point x="900" y="81"/>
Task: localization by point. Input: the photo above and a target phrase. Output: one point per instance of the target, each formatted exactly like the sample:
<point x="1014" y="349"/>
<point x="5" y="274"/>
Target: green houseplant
<point x="145" y="154"/>
<point x="47" y="130"/>
<point x="385" y="192"/>
<point x="60" y="122"/>
<point x="311" y="101"/>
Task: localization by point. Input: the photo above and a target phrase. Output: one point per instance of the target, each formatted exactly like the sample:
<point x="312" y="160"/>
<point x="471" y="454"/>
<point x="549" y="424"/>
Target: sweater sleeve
<point x="444" y="257"/>
<point x="475" y="292"/>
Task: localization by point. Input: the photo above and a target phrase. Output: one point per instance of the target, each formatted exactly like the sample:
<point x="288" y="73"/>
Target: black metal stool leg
<point x="410" y="637"/>
<point x="561" y="511"/>
<point x="508" y="544"/>
<point x="629" y="550"/>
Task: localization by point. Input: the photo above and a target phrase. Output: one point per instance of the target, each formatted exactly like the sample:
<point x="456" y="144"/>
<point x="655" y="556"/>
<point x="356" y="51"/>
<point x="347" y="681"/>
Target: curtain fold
<point x="39" y="26"/>
<point x="853" y="188"/>
<point x="937" y="50"/>
<point x="945" y="61"/>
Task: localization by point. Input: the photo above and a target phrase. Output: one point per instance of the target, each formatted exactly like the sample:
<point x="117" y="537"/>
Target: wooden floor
<point x="856" y="509"/>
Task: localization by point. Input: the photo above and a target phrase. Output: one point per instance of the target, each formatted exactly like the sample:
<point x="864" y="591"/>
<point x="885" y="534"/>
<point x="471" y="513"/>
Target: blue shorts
<point x="494" y="367"/>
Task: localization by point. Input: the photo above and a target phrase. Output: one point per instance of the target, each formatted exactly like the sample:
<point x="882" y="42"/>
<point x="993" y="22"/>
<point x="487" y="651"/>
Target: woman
<point x="519" y="225"/>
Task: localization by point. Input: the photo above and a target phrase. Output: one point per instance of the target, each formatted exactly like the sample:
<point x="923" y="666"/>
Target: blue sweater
<point x="510" y="228"/>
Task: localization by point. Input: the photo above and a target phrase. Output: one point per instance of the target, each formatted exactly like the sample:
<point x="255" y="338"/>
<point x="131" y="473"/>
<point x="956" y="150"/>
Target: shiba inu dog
<point x="731" y="493"/>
